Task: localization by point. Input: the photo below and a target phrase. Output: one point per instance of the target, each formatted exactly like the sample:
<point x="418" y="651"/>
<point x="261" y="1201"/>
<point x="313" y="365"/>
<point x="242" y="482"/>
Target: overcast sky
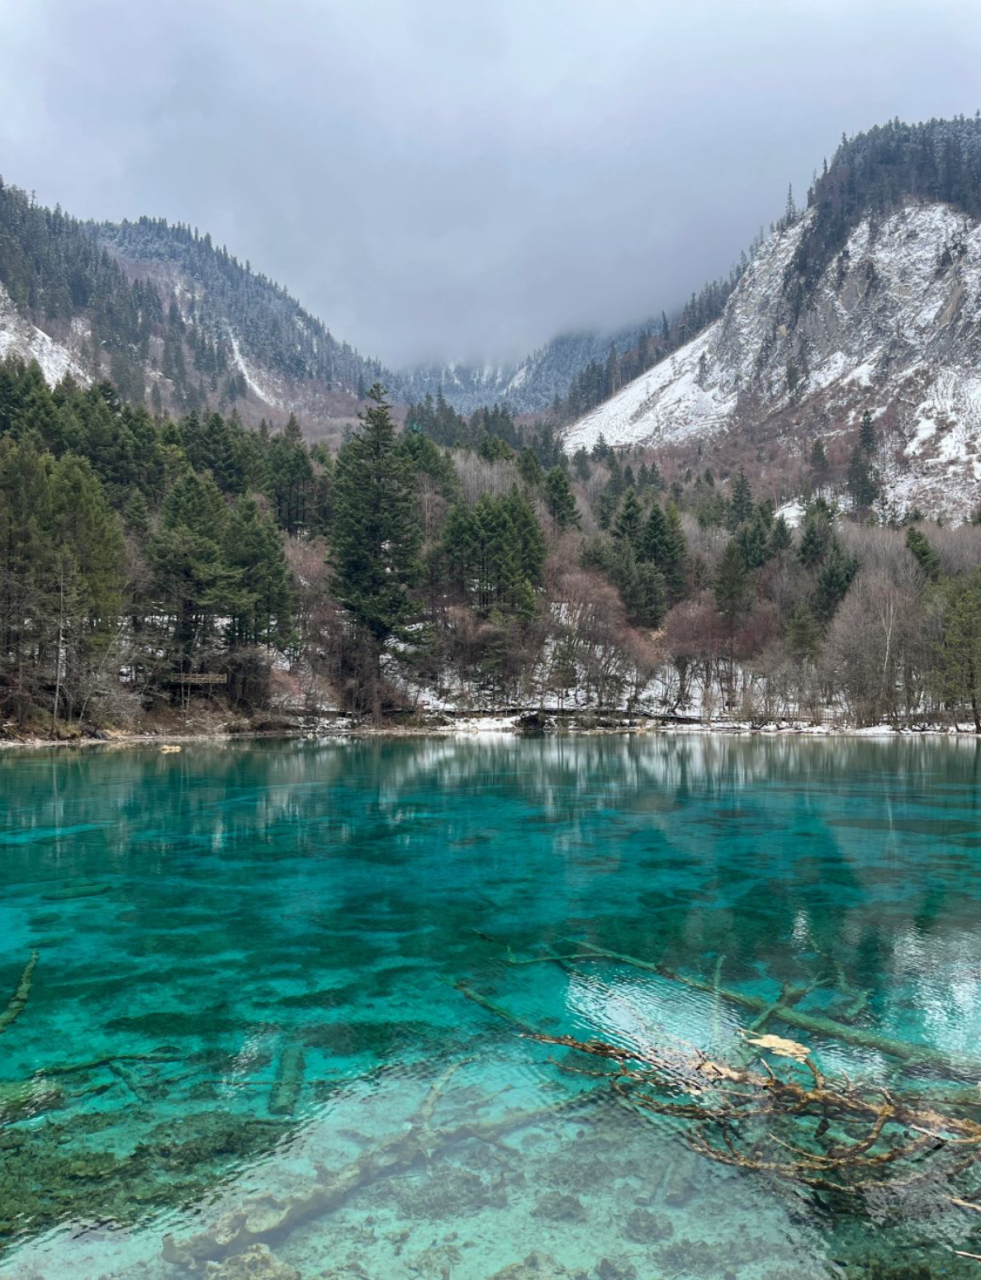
<point x="464" y="178"/>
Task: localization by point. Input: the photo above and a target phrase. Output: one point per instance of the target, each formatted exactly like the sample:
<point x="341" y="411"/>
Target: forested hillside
<point x="178" y="323"/>
<point x="241" y="313"/>
<point x="151" y="566"/>
<point x="173" y="320"/>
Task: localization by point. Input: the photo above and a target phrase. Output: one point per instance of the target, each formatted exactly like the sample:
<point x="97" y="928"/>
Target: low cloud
<point x="452" y="181"/>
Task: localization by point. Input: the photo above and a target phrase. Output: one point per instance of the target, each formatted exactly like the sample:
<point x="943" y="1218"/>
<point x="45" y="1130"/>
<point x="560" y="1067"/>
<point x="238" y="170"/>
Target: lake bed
<point x="263" y="1010"/>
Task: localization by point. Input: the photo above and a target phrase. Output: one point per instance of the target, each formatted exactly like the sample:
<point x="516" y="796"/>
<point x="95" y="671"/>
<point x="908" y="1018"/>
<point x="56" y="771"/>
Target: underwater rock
<point x="256" y="1263"/>
<point x="689" y="1257"/>
<point x="449" y="1195"/>
<point x="285" y="1093"/>
<point x="557" y="1207"/>
<point x="20" y="1099"/>
<point x="616" y="1269"/>
<point x="644" y="1226"/>
<point x="203" y="1137"/>
<point x="537" y="1266"/>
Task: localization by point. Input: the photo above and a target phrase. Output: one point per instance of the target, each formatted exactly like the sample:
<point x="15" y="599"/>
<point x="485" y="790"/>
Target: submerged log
<point x="16" y="1003"/>
<point x="285" y="1093"/>
<point x="265" y="1217"/>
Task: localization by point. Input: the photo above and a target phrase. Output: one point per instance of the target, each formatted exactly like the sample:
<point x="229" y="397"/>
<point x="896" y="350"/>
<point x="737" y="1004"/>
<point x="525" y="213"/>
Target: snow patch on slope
<point x="252" y="381"/>
<point x="18" y="337"/>
<point x="667" y="404"/>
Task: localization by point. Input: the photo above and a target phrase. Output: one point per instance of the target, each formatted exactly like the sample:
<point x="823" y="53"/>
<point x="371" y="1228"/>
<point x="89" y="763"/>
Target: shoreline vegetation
<point x="244" y="580"/>
<point x="527" y="723"/>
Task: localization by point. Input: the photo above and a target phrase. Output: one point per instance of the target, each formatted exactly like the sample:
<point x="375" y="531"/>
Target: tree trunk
<point x="58" y="652"/>
<point x="375" y="679"/>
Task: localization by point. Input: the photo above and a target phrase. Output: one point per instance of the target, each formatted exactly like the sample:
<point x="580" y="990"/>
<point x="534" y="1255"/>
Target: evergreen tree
<point x="530" y="541"/>
<point x="866" y="435"/>
<point x="641" y="586"/>
<point x="752" y="540"/>
<point x="815" y="541"/>
<point x="960" y="648"/>
<point x="862" y="483"/>
<point x="375" y="535"/>
<point x="560" y="500"/>
<point x="663" y="544"/>
<point x="529" y="468"/>
<point x="291" y="477"/>
<point x="803" y="635"/>
<point x="732" y="584"/>
<point x="919" y="547"/>
<point x="740" y="501"/>
<point x="780" y="539"/>
<point x="191" y="577"/>
<point x="262" y="613"/>
<point x="833" y="580"/>
<point x="629" y="520"/>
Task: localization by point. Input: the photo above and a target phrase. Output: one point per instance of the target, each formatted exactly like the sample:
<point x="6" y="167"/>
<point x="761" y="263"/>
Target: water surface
<point x="249" y="962"/>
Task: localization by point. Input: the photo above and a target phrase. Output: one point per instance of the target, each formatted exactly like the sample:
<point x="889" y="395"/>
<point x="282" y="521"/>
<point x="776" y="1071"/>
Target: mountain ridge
<point x="870" y="300"/>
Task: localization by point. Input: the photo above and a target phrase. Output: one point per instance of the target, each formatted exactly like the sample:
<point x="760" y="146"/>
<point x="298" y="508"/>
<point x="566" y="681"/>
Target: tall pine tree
<point x="375" y="536"/>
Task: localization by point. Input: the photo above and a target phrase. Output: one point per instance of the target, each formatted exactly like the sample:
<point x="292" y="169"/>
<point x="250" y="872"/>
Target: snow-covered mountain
<point x="879" y="310"/>
<point x="527" y="386"/>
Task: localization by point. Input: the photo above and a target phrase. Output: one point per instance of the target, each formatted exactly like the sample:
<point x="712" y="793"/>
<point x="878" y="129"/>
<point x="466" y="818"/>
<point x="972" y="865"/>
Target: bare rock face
<point x="256" y="1263"/>
<point x="890" y="323"/>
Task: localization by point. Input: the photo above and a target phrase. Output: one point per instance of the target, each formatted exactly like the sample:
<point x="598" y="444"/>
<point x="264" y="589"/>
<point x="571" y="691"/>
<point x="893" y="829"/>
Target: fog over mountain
<point x="441" y="182"/>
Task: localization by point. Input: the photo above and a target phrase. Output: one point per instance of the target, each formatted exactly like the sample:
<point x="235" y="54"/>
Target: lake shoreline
<point x="510" y="725"/>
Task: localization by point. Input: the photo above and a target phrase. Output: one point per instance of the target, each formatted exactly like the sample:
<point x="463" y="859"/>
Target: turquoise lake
<point x="259" y="982"/>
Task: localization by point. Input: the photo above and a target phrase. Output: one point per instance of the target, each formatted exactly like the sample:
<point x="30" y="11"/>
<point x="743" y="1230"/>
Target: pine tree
<point x="580" y="464"/>
<point x="375" y="535"/>
<point x="253" y="549"/>
<point x="641" y="586"/>
<point x="560" y="500"/>
<point x="291" y="477"/>
<point x="862" y="483"/>
<point x="740" y="501"/>
<point x="629" y="520"/>
<point x="866" y="435"/>
<point x="833" y="580"/>
<point x="529" y="468"/>
<point x="530" y="541"/>
<point x="663" y="544"/>
<point x="919" y="547"/>
<point x="780" y="539"/>
<point x="191" y="576"/>
<point x="960" y="649"/>
<point x="751" y="538"/>
<point x="814" y="542"/>
<point x="803" y="635"/>
<point x="732" y="583"/>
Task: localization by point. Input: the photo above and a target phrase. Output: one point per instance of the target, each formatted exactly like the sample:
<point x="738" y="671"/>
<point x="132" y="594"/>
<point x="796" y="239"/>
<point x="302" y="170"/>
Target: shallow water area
<point x="263" y="1033"/>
